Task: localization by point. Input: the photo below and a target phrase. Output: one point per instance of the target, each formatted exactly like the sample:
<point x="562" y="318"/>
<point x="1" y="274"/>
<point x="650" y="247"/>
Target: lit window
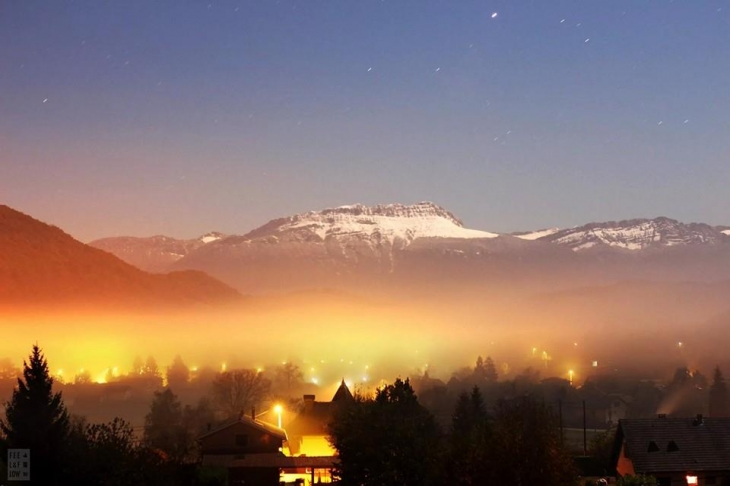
<point x="692" y="480"/>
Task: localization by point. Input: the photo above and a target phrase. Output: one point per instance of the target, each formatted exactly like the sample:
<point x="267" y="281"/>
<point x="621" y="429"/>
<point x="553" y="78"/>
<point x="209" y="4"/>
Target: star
<point x="45" y="100"/>
<point x="494" y="15"/>
<point x="370" y="69"/>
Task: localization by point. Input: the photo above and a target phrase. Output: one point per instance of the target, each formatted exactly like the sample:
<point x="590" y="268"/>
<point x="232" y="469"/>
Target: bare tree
<point x="235" y="391"/>
<point x="288" y="376"/>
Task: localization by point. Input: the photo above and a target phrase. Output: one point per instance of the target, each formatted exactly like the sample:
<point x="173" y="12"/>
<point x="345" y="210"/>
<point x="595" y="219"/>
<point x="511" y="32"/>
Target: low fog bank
<point x="110" y="365"/>
<point x="633" y="326"/>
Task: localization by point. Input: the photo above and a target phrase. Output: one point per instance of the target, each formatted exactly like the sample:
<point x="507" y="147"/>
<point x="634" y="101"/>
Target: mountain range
<point x="398" y="247"/>
<point x="40" y="265"/>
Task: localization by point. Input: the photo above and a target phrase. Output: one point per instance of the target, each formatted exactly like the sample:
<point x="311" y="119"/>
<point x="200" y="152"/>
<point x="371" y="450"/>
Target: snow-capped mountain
<point x="637" y="234"/>
<point x="535" y="235"/>
<point x="393" y="224"/>
<point x="355" y="243"/>
<point x="155" y="253"/>
<point x="401" y="246"/>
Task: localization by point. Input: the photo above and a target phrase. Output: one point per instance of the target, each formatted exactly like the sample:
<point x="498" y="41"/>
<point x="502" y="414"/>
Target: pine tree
<point x="469" y="441"/>
<point x="490" y="371"/>
<point x="388" y="439"/>
<point x="36" y="419"/>
<point x="178" y="374"/>
<point x="163" y="426"/>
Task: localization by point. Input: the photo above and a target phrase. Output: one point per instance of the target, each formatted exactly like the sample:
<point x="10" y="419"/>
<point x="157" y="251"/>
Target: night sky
<point x="181" y="117"/>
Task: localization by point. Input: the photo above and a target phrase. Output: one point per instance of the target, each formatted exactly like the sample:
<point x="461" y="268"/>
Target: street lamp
<point x="278" y="409"/>
<point x="570" y="375"/>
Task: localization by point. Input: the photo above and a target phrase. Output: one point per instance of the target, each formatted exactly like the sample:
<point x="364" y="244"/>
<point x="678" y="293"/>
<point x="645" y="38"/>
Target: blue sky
<point x="173" y="117"/>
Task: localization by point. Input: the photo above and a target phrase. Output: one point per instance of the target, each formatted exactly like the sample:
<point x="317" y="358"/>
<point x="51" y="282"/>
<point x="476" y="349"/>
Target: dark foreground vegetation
<point x="508" y="433"/>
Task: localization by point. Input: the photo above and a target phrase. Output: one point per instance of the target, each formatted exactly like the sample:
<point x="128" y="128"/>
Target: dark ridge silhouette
<point x="40" y="265"/>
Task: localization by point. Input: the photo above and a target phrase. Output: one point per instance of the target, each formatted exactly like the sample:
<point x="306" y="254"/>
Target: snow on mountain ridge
<point x="536" y="235"/>
<point x="391" y="222"/>
<point x="636" y="234"/>
<point x="211" y="237"/>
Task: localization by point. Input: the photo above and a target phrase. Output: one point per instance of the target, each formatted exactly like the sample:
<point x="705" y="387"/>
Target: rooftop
<point x="676" y="444"/>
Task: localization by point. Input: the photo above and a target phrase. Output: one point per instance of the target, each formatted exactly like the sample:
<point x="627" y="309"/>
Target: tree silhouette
<point x="527" y="447"/>
<point x="150" y="367"/>
<point x="469" y="456"/>
<point x="490" y="371"/>
<point x="480" y="372"/>
<point x="163" y="426"/>
<point x="178" y="374"/>
<point x="288" y="376"/>
<point x="718" y="402"/>
<point x="389" y="439"/>
<point x="82" y="378"/>
<point x="235" y="391"/>
<point x="36" y="419"/>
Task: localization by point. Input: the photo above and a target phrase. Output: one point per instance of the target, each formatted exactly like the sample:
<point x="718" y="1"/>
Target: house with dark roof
<point x="677" y="451"/>
<point x="308" y="446"/>
<point x="248" y="448"/>
<point x="308" y="431"/>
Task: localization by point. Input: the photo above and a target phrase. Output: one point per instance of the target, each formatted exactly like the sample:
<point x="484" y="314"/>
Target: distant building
<point x="248" y="448"/>
<point x="677" y="451"/>
<point x="260" y="454"/>
<point x="308" y="436"/>
<point x="308" y="431"/>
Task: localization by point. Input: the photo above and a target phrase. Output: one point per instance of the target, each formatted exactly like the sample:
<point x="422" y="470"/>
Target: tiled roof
<point x="262" y="426"/>
<point x="676" y="444"/>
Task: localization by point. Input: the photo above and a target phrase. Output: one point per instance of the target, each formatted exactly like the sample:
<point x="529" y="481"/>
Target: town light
<point x="692" y="480"/>
<point x="278" y="409"/>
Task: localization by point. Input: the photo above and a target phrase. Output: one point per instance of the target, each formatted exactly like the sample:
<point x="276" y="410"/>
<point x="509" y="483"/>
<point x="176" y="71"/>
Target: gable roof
<point x="256" y="424"/>
<point x="343" y="393"/>
<point x="313" y="420"/>
<point x="675" y="444"/>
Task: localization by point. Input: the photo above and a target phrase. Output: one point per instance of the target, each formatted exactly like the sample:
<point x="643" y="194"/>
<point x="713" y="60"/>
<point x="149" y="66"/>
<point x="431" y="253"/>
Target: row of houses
<point x="677" y="451"/>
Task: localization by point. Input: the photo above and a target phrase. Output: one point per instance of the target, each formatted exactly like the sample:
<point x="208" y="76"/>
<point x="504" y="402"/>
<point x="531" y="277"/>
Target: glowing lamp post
<point x="278" y="409"/>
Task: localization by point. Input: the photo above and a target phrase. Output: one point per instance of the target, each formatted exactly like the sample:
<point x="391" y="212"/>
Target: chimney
<point x="253" y="413"/>
<point x="308" y="402"/>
